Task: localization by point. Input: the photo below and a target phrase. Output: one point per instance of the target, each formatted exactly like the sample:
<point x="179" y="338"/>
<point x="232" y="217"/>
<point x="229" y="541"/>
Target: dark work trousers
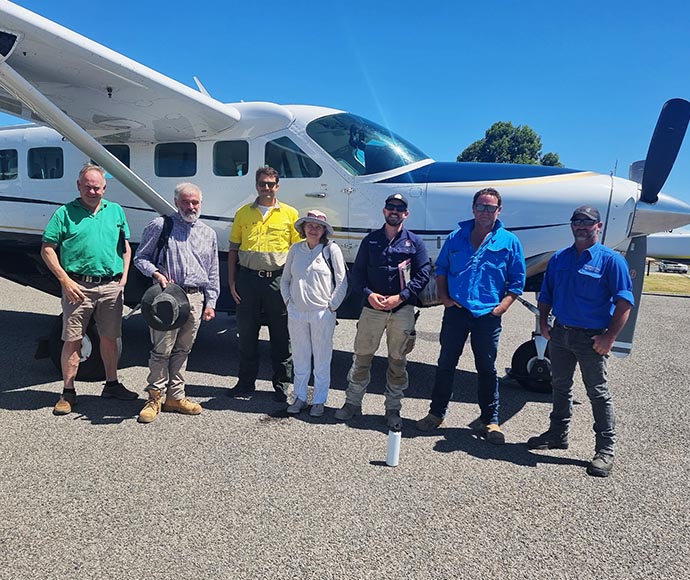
<point x="257" y="294"/>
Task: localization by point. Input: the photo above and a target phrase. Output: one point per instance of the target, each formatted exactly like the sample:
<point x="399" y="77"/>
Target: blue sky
<point x="590" y="80"/>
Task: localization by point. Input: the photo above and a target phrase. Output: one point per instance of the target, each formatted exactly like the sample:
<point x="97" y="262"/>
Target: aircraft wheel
<point x="532" y="373"/>
<point x="91" y="367"/>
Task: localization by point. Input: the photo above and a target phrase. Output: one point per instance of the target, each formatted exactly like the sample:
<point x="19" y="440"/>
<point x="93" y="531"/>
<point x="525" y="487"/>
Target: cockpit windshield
<point x="360" y="146"/>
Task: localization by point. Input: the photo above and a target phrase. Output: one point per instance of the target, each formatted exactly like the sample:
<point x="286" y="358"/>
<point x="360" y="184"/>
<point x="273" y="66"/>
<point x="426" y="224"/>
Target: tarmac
<point x="244" y="491"/>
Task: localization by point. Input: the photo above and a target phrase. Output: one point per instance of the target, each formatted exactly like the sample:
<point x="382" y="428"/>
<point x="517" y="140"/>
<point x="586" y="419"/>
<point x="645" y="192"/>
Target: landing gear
<point x="529" y="370"/>
<point x="91" y="365"/>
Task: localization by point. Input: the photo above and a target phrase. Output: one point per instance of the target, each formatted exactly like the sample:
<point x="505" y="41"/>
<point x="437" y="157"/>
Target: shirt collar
<point x="256" y="204"/>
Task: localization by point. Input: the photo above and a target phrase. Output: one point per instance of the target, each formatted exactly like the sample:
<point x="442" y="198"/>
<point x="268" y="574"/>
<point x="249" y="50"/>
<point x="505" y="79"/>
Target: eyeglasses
<point x="485" y="207"/>
<point x="269" y="184"/>
<point x="396" y="207"/>
<point x="583" y="222"/>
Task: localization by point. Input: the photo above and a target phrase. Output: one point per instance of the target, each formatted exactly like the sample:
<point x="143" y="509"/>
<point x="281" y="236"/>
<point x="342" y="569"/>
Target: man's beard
<point x="190" y="217"/>
<point x="393" y="219"/>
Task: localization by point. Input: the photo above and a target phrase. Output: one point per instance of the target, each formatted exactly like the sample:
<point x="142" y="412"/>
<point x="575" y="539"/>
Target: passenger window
<point x="231" y="158"/>
<point x="8" y="164"/>
<point x="289" y="160"/>
<point x="45" y="163"/>
<point x="175" y="159"/>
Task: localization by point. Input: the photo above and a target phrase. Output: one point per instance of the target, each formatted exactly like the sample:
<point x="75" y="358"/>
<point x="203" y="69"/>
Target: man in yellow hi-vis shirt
<point x="261" y="236"/>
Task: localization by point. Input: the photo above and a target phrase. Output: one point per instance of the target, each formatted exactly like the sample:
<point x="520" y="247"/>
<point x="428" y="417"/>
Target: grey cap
<point x="397" y="197"/>
<point x="587" y="210"/>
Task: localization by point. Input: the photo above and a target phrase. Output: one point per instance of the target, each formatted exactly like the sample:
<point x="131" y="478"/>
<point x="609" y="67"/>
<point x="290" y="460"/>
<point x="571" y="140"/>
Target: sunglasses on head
<point x="396" y="207"/>
<point x="269" y="184"/>
<point x="485" y="207"/>
<point x="583" y="222"/>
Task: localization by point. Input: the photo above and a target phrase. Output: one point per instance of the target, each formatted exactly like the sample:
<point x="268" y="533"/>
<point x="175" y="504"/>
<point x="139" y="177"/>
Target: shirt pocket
<point x="587" y="284"/>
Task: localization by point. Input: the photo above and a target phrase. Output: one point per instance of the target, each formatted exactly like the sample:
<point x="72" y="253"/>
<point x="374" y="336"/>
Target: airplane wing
<point x="106" y="93"/>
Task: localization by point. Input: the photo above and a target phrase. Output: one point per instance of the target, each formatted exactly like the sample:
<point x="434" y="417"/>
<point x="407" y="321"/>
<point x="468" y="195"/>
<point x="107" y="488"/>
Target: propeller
<point x="636" y="257"/>
<point x="664" y="146"/>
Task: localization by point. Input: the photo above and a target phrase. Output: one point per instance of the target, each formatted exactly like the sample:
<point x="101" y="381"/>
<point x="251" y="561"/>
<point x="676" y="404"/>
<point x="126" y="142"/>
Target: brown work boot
<point x="184" y="406"/>
<point x="67" y="400"/>
<point x="151" y="408"/>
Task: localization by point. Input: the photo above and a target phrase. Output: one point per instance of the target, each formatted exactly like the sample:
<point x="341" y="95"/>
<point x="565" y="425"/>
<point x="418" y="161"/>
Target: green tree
<point x="504" y="143"/>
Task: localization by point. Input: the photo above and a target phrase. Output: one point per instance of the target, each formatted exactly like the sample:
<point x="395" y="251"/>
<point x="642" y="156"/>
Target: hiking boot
<point x="151" y="408"/>
<point x="64" y="405"/>
<point x="393" y="419"/>
<point x="116" y="390"/>
<point x="548" y="440"/>
<point x="240" y="390"/>
<point x="601" y="465"/>
<point x="184" y="406"/>
<point x="317" y="410"/>
<point x="494" y="434"/>
<point x="297" y="406"/>
<point x="429" y="423"/>
<point x="491" y="432"/>
<point x="348" y="411"/>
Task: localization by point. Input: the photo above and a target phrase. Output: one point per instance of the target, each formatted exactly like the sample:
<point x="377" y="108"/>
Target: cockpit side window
<point x="289" y="160"/>
<point x="45" y="163"/>
<point x="360" y="146"/>
<point x="8" y="164"/>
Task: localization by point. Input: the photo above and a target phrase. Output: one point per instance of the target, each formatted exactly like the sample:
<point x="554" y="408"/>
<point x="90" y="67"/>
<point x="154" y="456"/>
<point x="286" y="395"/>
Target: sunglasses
<point x="583" y="222"/>
<point x="485" y="207"/>
<point x="396" y="207"/>
<point x="269" y="184"/>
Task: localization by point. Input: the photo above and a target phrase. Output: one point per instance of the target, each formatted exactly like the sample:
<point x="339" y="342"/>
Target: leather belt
<point x="94" y="279"/>
<point x="264" y="273"/>
<point x="567" y="327"/>
<point x="191" y="289"/>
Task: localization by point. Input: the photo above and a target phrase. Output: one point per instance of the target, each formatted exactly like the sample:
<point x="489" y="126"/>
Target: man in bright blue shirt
<point x="479" y="273"/>
<point x="589" y="289"/>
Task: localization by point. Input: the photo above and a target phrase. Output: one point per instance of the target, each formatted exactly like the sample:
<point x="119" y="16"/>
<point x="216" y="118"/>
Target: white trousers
<point x="311" y="334"/>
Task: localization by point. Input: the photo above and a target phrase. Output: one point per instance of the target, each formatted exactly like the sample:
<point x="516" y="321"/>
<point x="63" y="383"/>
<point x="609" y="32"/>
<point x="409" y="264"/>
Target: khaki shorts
<point x="103" y="302"/>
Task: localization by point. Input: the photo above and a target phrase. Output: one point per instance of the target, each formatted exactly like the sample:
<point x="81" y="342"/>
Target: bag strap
<point x="162" y="243"/>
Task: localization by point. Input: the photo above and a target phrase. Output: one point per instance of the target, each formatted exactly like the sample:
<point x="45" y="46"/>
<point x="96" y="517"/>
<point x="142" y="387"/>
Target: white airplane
<point x="150" y="132"/>
<point x="673" y="245"/>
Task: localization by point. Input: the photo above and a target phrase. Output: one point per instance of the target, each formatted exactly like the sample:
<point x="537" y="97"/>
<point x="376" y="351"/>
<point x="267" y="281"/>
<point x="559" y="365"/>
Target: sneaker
<point x="116" y="390"/>
<point x="317" y="410"/>
<point x="297" y="406"/>
<point x="601" y="465"/>
<point x="548" y="440"/>
<point x="393" y="419"/>
<point x="429" y="423"/>
<point x="183" y="406"/>
<point x="67" y="400"/>
<point x="348" y="411"/>
<point x="240" y="390"/>
<point x="151" y="408"/>
<point x="491" y="432"/>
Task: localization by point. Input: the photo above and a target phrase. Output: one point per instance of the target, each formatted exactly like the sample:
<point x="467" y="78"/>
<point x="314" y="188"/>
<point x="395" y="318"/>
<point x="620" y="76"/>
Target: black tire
<point x="91" y="367"/>
<point x="529" y="371"/>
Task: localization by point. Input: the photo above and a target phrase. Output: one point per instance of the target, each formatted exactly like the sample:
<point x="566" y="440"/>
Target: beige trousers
<point x="168" y="359"/>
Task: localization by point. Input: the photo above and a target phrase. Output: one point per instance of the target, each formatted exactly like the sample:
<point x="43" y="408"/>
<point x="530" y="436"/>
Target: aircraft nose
<point x="667" y="213"/>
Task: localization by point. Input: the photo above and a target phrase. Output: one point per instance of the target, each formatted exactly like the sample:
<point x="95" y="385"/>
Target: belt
<point x="191" y="289"/>
<point x="94" y="279"/>
<point x="567" y="327"/>
<point x="263" y="273"/>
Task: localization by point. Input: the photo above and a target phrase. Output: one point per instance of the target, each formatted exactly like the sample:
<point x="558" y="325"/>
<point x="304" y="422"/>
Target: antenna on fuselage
<point x="202" y="88"/>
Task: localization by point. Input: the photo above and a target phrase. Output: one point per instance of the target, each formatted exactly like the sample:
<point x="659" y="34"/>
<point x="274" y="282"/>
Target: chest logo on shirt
<point x="408" y="243"/>
<point x="591" y="268"/>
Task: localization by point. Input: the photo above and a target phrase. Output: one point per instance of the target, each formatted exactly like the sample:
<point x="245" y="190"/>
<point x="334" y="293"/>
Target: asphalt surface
<point x="243" y="491"/>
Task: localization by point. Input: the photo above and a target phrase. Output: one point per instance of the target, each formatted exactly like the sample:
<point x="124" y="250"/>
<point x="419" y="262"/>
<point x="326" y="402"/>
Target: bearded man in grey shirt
<point x="190" y="260"/>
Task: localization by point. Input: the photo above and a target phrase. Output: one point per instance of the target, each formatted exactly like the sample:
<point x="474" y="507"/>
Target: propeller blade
<point x="664" y="146"/>
<point x="636" y="258"/>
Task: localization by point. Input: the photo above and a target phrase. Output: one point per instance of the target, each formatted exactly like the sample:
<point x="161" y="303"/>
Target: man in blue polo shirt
<point x="479" y="273"/>
<point x="589" y="289"/>
<point x="392" y="267"/>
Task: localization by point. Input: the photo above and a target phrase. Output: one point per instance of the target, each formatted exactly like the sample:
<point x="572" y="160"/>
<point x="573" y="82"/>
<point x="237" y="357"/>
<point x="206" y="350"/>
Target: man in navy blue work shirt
<point x="479" y="273"/>
<point x="589" y="290"/>
<point x="392" y="267"/>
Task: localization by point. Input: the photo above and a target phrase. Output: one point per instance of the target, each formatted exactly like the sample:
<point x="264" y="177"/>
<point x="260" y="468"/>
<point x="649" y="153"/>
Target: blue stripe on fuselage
<point x="446" y="172"/>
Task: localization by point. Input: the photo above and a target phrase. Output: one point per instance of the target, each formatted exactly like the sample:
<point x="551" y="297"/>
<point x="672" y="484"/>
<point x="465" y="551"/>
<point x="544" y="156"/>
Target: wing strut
<point x="63" y="124"/>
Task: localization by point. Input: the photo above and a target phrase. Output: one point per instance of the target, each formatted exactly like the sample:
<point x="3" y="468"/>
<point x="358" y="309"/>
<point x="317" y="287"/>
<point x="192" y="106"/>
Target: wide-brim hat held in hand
<point x="165" y="309"/>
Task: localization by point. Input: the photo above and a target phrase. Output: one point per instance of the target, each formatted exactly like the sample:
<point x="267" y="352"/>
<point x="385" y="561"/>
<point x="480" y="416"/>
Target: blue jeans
<point x="458" y="324"/>
<point x="567" y="347"/>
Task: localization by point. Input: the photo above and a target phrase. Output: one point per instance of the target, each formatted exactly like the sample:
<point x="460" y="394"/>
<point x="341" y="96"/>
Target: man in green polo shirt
<point x="91" y="234"/>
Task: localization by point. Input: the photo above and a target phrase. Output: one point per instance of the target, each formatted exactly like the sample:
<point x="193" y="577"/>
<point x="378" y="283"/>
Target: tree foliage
<point x="504" y="143"/>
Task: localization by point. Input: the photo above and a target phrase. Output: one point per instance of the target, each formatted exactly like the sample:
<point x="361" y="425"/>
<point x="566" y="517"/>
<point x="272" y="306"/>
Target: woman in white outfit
<point x="313" y="290"/>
